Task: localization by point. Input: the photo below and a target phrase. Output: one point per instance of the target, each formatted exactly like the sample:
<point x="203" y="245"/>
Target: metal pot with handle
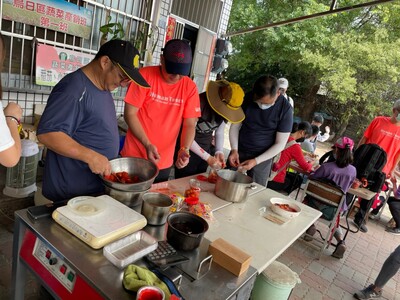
<point x="233" y="186"/>
<point x="185" y="230"/>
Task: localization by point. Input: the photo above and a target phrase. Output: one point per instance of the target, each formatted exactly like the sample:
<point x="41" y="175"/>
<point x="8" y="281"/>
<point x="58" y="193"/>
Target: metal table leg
<point x="18" y="269"/>
<point x="347" y="228"/>
<point x="370" y="202"/>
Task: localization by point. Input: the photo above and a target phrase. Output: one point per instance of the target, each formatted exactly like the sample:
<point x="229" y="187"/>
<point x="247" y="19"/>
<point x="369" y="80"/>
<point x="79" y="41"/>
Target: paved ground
<point x="331" y="278"/>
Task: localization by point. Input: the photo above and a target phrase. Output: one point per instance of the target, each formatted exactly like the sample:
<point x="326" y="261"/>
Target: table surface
<point x="242" y="225"/>
<point x="207" y="190"/>
<point x="362" y="192"/>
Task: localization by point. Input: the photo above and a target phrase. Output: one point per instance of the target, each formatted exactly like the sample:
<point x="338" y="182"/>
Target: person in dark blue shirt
<point x="79" y="124"/>
<point x="264" y="131"/>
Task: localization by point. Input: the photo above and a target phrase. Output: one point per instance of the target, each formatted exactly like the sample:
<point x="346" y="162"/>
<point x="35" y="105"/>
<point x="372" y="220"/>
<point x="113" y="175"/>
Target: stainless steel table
<point x="97" y="277"/>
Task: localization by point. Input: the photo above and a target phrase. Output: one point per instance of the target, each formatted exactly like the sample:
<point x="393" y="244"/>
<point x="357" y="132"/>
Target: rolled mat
<point x="135" y="277"/>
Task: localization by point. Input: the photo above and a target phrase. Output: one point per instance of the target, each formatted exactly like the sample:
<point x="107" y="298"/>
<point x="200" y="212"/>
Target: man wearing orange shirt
<point x="385" y="132"/>
<point x="154" y="116"/>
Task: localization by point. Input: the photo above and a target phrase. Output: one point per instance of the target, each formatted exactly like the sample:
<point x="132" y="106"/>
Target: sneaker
<point x="394" y="230"/>
<point x="391" y="223"/>
<point x="340" y="250"/>
<point x="309" y="233"/>
<point x="360" y="226"/>
<point x="368" y="293"/>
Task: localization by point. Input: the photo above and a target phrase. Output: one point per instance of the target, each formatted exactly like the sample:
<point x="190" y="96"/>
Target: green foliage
<point x="353" y="55"/>
<point x="114" y="29"/>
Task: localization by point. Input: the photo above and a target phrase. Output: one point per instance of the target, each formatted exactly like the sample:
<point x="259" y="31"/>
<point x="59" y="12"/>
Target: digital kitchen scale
<point x="98" y="221"/>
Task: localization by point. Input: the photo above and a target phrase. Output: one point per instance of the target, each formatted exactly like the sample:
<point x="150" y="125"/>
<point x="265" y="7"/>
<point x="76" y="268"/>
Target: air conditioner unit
<point x="219" y="64"/>
<point x="223" y="47"/>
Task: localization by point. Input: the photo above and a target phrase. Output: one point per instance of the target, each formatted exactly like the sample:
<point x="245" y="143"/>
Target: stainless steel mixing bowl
<point x="131" y="199"/>
<point x="146" y="170"/>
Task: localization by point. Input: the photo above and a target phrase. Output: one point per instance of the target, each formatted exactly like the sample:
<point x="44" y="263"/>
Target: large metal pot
<point x="146" y="170"/>
<point x="233" y="186"/>
<point x="156" y="207"/>
<point x="185" y="230"/>
<point x="131" y="199"/>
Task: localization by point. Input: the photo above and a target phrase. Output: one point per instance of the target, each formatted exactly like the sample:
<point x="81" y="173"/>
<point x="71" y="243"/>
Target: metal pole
<point x="299" y="19"/>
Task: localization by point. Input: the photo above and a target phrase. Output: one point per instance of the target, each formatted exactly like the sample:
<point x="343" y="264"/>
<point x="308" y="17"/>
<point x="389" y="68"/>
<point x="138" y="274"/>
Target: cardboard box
<point x="229" y="257"/>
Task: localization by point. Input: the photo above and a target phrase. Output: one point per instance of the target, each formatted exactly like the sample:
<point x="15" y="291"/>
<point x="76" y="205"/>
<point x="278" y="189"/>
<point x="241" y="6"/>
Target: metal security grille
<point x="205" y="13"/>
<point x="19" y="66"/>
<point x="179" y="28"/>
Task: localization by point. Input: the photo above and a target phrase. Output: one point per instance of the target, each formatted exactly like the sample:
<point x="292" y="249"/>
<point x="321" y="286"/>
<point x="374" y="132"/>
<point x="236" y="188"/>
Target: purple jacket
<point x="343" y="177"/>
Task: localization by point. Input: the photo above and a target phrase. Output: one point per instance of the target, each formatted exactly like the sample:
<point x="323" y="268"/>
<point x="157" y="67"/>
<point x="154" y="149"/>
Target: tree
<point x="353" y="56"/>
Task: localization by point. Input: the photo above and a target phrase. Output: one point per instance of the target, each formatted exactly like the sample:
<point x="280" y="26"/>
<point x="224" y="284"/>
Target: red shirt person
<point x="154" y="116"/>
<point x="284" y="181"/>
<point x="385" y="132"/>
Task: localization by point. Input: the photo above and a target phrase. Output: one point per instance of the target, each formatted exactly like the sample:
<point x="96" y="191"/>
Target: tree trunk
<point x="344" y="122"/>
<point x="309" y="105"/>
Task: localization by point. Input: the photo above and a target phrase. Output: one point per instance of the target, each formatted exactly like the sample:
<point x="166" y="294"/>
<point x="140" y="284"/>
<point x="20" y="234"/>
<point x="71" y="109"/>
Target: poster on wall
<point x="53" y="63"/>
<point x="169" y="35"/>
<point x="58" y="15"/>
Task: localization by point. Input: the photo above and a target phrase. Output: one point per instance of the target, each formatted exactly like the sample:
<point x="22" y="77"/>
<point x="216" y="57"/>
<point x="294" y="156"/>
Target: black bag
<point x="376" y="183"/>
<point x="369" y="160"/>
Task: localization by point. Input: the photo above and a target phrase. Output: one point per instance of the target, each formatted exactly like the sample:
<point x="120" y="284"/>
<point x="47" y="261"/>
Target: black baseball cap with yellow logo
<point x="126" y="56"/>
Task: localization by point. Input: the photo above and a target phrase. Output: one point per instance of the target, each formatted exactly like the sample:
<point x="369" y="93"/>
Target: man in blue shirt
<point x="79" y="124"/>
<point x="264" y="132"/>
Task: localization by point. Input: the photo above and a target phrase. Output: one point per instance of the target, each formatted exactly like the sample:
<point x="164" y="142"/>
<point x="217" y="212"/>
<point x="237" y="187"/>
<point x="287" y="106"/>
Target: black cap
<point x="177" y="57"/>
<point x="126" y="56"/>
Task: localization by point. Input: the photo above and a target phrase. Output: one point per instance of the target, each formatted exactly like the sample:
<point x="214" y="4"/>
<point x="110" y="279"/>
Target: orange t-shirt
<point x="387" y="135"/>
<point x="162" y="107"/>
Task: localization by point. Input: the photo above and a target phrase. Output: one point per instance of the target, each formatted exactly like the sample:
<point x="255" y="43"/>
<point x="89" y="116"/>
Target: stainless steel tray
<point x="129" y="249"/>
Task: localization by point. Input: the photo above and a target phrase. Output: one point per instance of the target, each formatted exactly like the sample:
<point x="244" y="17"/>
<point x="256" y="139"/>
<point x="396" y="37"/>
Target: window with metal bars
<point x="19" y="66"/>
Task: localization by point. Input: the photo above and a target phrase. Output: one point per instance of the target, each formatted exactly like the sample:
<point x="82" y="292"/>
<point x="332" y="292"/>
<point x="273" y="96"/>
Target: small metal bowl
<point x="146" y="170"/>
<point x="156" y="207"/>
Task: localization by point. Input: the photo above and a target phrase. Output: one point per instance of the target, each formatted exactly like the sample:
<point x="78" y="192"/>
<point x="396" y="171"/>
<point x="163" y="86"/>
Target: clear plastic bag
<point x="178" y="201"/>
<point x="194" y="189"/>
<point x="203" y="210"/>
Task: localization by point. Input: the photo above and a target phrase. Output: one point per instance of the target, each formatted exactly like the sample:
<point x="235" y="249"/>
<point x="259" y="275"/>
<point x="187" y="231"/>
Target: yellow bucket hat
<point x="226" y="98"/>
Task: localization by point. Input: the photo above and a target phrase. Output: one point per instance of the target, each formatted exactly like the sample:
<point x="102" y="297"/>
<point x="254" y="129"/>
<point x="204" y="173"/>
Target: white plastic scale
<point x="98" y="221"/>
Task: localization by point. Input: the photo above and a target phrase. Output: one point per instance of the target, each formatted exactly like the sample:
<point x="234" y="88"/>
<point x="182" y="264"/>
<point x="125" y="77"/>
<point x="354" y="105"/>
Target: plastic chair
<point x="326" y="195"/>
